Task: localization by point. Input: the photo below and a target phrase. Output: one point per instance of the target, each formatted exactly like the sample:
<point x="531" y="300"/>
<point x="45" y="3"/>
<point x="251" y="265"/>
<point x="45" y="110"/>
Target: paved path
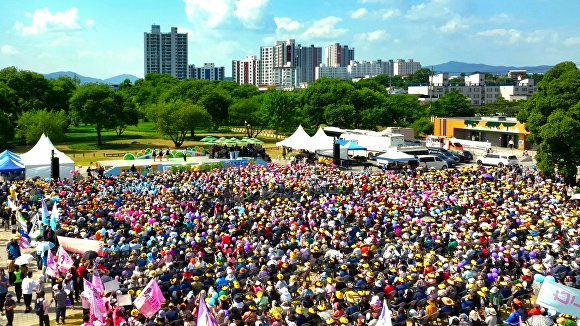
<point x="20" y="318"/>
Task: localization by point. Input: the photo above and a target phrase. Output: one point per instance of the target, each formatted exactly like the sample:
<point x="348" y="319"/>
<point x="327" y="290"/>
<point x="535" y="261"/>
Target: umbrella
<point x="208" y="138"/>
<point x="487" y="176"/>
<point x="210" y="142"/>
<point x="576" y="196"/>
<point x="221" y="140"/>
<point x="539" y="320"/>
<point x="234" y="139"/>
<point x="90" y="255"/>
<point x="24" y="259"/>
<point x="44" y="246"/>
<point x="256" y="141"/>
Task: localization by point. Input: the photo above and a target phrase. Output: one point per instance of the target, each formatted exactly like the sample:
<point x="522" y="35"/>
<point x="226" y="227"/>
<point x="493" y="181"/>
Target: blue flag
<point x="54" y="217"/>
<point x="44" y="213"/>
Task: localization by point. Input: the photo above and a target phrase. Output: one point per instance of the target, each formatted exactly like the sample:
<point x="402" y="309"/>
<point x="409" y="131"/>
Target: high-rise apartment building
<point x="284" y="53"/>
<point x="246" y="71"/>
<point x="339" y="55"/>
<point x="307" y="59"/>
<point x="404" y="68"/>
<point x="266" y="65"/>
<point x="208" y="72"/>
<point x="166" y="53"/>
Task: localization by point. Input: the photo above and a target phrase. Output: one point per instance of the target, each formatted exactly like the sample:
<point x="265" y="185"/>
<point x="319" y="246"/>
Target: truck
<point x="374" y="142"/>
<point x="447" y="143"/>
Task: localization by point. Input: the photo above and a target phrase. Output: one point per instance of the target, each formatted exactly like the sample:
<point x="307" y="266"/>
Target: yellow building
<point x="498" y="131"/>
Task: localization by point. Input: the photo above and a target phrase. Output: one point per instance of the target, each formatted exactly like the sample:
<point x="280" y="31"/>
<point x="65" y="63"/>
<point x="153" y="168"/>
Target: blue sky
<point x="105" y="38"/>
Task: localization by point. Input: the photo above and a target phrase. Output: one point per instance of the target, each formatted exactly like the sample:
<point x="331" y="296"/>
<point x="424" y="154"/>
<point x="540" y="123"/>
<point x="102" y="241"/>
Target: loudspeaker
<point x="336" y="153"/>
<point x="55" y="167"/>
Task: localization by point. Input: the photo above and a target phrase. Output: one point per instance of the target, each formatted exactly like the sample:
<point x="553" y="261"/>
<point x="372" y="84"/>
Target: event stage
<point x="144" y="166"/>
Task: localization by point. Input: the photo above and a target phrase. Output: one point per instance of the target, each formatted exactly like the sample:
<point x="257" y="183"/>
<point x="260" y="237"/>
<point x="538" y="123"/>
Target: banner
<point x="21" y="220"/>
<point x="96" y="300"/>
<point x="561" y="298"/>
<point x="24" y="239"/>
<point x="385" y="317"/>
<point x="204" y="316"/>
<point x="97" y="282"/>
<point x="51" y="268"/>
<point x="64" y="262"/>
<point x="44" y="211"/>
<point x="80" y="246"/>
<point x="150" y="299"/>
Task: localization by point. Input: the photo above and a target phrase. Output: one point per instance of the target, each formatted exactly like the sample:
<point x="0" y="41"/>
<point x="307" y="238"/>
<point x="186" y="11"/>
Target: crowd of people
<point x="314" y="245"/>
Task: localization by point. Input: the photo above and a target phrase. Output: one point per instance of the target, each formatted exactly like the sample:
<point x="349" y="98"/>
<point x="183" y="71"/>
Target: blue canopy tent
<point x="351" y="146"/>
<point x="9" y="164"/>
<point x="13" y="155"/>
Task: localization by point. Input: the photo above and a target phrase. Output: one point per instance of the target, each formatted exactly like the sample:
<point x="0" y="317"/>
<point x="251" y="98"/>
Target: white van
<point x="497" y="159"/>
<point x="431" y="162"/>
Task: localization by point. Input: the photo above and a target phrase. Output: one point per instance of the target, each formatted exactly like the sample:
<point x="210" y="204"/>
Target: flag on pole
<point x="21" y="220"/>
<point x="150" y="299"/>
<point x="45" y="213"/>
<point x="95" y="299"/>
<point x="385" y="317"/>
<point x="54" y="217"/>
<point x="24" y="239"/>
<point x="97" y="282"/>
<point x="64" y="261"/>
<point x="204" y="316"/>
<point x="51" y="268"/>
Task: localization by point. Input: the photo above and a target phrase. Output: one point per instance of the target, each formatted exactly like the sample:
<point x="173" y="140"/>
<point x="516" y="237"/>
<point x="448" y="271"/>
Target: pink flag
<point x="204" y="316"/>
<point x="97" y="282"/>
<point x="51" y="268"/>
<point x="150" y="299"/>
<point x="64" y="261"/>
<point x="95" y="300"/>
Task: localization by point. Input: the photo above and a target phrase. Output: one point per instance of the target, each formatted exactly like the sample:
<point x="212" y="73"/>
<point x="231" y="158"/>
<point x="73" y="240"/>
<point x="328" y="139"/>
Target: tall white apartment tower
<point x="339" y="55"/>
<point x="403" y="68"/>
<point x="266" y="65"/>
<point x="307" y="59"/>
<point x="166" y="53"/>
<point x="284" y="54"/>
<point x="246" y="71"/>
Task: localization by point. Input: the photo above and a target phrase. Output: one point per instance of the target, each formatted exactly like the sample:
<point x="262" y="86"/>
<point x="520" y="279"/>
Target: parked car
<point x="465" y="156"/>
<point x="452" y="159"/>
<point x="431" y="162"/>
<point x="497" y="159"/>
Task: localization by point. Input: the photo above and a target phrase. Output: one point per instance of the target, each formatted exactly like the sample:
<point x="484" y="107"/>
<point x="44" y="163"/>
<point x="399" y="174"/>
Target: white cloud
<point x="250" y="12"/>
<point x="8" y="49"/>
<point x="505" y="35"/>
<point x="208" y="13"/>
<point x="286" y="23"/>
<point x="359" y="13"/>
<point x="428" y="10"/>
<point x="378" y="35"/>
<point x="43" y="21"/>
<point x="456" y="23"/>
<point x="502" y="17"/>
<point x="572" y="41"/>
<point x="389" y="13"/>
<point x="324" y="28"/>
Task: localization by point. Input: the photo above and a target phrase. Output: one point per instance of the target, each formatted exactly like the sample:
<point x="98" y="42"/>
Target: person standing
<point x="29" y="286"/>
<point x="154" y="154"/>
<point x="9" y="305"/>
<point x="18" y="276"/>
<point x="184" y="155"/>
<point x="167" y="152"/>
<point x="42" y="313"/>
<point x="60" y="299"/>
<point x="3" y="289"/>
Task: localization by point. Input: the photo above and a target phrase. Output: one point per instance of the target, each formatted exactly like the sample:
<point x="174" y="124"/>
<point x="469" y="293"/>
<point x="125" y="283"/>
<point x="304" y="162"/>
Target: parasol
<point x="24" y="259"/>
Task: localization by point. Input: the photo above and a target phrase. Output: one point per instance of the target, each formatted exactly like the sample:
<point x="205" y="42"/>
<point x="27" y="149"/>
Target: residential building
<point x="266" y="65"/>
<point x="166" y="53"/>
<point x="332" y="72"/>
<point x="404" y="68"/>
<point x="338" y="55"/>
<point x="475" y="89"/>
<point x="287" y="77"/>
<point x="307" y="59"/>
<point x="208" y="72"/>
<point x="357" y="69"/>
<point x="284" y="55"/>
<point x="388" y="67"/>
<point x="246" y="71"/>
<point x="516" y="74"/>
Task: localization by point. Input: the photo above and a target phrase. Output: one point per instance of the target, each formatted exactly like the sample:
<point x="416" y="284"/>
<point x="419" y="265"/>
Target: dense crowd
<point x="313" y="245"/>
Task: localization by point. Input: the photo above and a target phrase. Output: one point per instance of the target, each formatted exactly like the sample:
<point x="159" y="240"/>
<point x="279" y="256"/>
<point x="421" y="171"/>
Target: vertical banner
<point x="150" y="299"/>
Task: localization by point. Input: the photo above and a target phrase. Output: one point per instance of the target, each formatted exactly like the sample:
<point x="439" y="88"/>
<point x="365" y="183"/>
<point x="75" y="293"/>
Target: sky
<point x="104" y="38"/>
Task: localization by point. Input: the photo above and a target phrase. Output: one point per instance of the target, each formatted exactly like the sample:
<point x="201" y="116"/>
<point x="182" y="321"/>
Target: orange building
<point x="499" y="131"/>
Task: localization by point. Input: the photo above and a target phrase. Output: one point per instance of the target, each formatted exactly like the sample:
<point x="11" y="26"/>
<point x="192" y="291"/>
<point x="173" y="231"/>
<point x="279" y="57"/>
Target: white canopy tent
<point x="395" y="156"/>
<point x="320" y="141"/>
<point x="37" y="160"/>
<point x="298" y="140"/>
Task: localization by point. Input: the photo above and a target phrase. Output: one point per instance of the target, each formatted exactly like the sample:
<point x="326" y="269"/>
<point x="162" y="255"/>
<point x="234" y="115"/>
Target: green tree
<point x="216" y="103"/>
<point x="32" y="124"/>
<point x="6" y="130"/>
<point x="340" y="115"/>
<point x="453" y="104"/>
<point x="405" y="109"/>
<point x="280" y="108"/>
<point x="176" y="119"/>
<point x="248" y="112"/>
<point x="60" y="92"/>
<point x="423" y="126"/>
<point x="552" y="116"/>
<point x="98" y="104"/>
<point x="321" y="93"/>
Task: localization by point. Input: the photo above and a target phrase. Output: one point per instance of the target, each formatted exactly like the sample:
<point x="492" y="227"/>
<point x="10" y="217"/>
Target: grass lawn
<point x="81" y="142"/>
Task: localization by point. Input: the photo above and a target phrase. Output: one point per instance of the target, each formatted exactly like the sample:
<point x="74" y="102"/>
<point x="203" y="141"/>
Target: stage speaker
<point x="336" y="153"/>
<point x="55" y="167"/>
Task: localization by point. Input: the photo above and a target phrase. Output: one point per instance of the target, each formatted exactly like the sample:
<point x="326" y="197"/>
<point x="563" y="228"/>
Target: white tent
<point x="395" y="156"/>
<point x="298" y="140"/>
<point x="37" y="160"/>
<point x="320" y="141"/>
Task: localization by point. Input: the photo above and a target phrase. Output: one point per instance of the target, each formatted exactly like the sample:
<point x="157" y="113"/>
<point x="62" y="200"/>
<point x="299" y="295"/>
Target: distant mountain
<point x="456" y="68"/>
<point x="85" y="80"/>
